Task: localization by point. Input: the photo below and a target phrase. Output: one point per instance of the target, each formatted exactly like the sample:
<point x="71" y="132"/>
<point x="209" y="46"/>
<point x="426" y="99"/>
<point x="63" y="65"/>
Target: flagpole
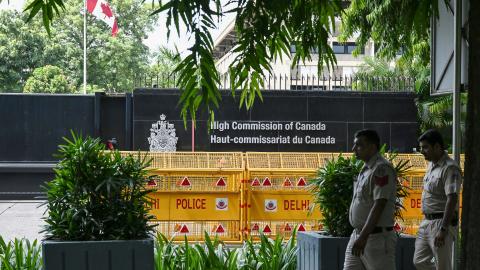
<point x="84" y="46"/>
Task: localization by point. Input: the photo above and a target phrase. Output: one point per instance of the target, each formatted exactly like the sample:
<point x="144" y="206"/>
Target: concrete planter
<point x="98" y="255"/>
<point x="321" y="252"/>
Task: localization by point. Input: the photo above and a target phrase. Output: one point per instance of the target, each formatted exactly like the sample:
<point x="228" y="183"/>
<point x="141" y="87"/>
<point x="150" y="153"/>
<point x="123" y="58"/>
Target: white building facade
<point x="305" y="75"/>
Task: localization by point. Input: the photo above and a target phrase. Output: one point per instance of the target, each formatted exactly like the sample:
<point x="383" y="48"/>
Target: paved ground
<point x="20" y="219"/>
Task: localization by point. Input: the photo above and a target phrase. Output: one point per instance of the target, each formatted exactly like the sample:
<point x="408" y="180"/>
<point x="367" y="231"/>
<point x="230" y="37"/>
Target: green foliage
<point x="48" y="79"/>
<point x="96" y="194"/>
<point x="211" y="255"/>
<point x="20" y="254"/>
<point x="402" y="26"/>
<point x="394" y="26"/>
<point x="164" y="62"/>
<point x="265" y="30"/>
<point x="432" y="112"/>
<point x="268" y="254"/>
<point x="333" y="189"/>
<point x="437" y="111"/>
<point x="112" y="62"/>
<point x="381" y="74"/>
<point x="91" y="88"/>
<point x="21" y="50"/>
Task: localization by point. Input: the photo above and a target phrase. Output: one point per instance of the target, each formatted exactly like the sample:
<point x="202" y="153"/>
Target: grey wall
<point x="32" y="125"/>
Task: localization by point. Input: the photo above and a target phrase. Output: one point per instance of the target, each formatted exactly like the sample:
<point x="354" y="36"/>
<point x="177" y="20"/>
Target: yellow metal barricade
<point x="278" y="199"/>
<point x="196" y="193"/>
<point x="232" y="195"/>
<point x="413" y="205"/>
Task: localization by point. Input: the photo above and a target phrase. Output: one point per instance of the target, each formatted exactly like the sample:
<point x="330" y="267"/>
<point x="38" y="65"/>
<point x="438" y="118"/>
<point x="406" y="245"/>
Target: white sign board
<point x="442" y="47"/>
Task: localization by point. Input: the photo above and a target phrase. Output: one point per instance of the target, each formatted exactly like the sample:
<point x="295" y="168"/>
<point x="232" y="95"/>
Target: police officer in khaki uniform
<point x="441" y="186"/>
<point x="372" y="243"/>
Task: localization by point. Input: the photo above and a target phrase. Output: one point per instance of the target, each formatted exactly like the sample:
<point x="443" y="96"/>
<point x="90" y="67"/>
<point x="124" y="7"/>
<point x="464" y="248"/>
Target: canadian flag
<point x="101" y="9"/>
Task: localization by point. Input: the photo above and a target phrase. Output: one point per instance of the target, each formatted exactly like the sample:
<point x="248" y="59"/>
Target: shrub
<point x="268" y="254"/>
<point x="333" y="189"/>
<point x="96" y="194"/>
<point x="20" y="254"/>
<point x="48" y="79"/>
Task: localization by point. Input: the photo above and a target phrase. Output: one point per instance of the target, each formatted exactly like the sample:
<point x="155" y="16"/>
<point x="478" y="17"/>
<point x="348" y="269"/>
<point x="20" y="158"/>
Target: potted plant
<point x="333" y="189"/>
<point x="96" y="214"/>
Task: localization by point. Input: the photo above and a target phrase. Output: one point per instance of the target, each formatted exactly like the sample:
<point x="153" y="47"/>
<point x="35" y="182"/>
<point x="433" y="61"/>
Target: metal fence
<point x="297" y="82"/>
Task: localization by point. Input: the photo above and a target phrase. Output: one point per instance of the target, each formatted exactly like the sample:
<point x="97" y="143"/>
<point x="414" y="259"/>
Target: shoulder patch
<point x="380" y="180"/>
<point x="381" y="174"/>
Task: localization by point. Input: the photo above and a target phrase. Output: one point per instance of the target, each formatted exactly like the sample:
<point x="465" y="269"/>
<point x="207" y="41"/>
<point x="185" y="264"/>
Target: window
<point x="351" y="47"/>
<point x="338" y="48"/>
<point x="345" y="48"/>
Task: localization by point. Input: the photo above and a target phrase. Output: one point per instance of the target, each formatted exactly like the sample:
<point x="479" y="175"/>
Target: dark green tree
<point x="48" y="79"/>
<point x="161" y="70"/>
<point x="112" y="63"/>
<point x="21" y="51"/>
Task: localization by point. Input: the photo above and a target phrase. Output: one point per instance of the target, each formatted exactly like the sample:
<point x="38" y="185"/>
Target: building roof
<point x="225" y="40"/>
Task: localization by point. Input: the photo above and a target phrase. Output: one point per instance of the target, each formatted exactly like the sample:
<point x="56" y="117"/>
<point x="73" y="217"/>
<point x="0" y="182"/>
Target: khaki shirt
<point x="441" y="179"/>
<point x="377" y="180"/>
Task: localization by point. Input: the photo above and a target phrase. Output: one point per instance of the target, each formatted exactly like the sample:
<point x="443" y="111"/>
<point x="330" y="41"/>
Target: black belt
<point x="381" y="229"/>
<point x="434" y="216"/>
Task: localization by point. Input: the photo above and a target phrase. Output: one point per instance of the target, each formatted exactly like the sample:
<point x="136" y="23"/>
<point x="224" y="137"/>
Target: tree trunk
<point x="470" y="241"/>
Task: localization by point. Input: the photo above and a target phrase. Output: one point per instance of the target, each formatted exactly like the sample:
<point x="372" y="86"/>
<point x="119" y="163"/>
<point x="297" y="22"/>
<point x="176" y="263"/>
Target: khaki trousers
<point x="427" y="256"/>
<point x="379" y="253"/>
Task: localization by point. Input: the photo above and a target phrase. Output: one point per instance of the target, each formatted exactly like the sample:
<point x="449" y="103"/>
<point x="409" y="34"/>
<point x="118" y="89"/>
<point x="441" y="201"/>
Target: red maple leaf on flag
<point x="106" y="10"/>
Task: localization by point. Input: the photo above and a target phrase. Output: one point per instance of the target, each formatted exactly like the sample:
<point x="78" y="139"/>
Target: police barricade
<point x="278" y="199"/>
<point x="194" y="193"/>
<point x="203" y="192"/>
<point x="277" y="196"/>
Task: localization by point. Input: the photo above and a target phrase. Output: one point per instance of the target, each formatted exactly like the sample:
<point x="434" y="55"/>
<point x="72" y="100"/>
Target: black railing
<point x="298" y="82"/>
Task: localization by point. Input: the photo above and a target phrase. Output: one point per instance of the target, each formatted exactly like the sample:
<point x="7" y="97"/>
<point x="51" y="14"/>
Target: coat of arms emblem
<point x="162" y="136"/>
